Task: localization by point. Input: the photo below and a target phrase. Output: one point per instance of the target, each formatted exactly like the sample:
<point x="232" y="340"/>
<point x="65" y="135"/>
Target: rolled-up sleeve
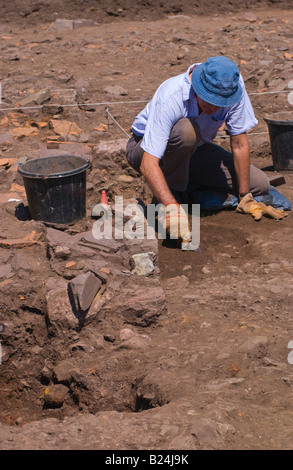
<point x="163" y="114"/>
<point x="240" y="117"/>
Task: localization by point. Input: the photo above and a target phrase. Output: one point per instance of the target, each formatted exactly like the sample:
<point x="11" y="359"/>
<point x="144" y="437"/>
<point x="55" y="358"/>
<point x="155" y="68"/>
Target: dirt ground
<point x="196" y="355"/>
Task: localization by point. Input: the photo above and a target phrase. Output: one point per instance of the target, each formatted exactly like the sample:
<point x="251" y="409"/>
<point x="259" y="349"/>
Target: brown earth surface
<point x="195" y="355"/>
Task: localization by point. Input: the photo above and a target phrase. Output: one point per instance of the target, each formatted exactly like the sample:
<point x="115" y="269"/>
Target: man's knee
<point x="259" y="181"/>
<point x="186" y="132"/>
<point x="134" y="153"/>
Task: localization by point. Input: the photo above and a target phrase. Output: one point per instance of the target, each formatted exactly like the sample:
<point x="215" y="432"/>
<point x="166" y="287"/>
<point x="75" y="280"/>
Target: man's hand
<point x="174" y="219"/>
<point x="176" y="223"/>
<point x="248" y="205"/>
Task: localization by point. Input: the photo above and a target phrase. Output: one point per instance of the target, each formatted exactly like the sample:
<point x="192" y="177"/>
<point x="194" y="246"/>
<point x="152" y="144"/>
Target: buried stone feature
<point x="82" y="291"/>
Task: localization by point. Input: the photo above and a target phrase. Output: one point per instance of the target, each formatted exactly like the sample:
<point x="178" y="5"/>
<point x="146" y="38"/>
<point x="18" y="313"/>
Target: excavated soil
<point x="195" y="355"/>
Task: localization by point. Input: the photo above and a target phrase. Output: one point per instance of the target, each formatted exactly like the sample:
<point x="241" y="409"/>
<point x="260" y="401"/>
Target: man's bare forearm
<point x="153" y="174"/>
<point x="241" y="155"/>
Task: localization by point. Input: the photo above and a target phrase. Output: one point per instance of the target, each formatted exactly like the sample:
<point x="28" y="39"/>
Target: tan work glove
<point x="249" y="205"/>
<point x="177" y="225"/>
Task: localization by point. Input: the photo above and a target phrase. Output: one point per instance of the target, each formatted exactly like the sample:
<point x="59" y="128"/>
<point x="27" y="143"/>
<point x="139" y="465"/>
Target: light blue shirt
<point x="175" y="99"/>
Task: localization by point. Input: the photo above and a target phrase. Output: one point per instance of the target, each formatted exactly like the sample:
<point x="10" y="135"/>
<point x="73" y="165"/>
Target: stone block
<point x="60" y="25"/>
<point x="35" y="99"/>
<point x="59" y="309"/>
<point x="82" y="291"/>
<point x="138" y="304"/>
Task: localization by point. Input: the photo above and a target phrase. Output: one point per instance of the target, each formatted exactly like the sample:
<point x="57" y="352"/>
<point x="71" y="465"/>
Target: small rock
<point x="277" y="289"/>
<point x="251" y="17"/>
<point x="187" y="267"/>
<point x="126" y="333"/>
<point x="233" y="369"/>
<point x="52" y="145"/>
<point x="62" y="372"/>
<point x="143" y="263"/>
<point x="82" y="23"/>
<point x="36" y="350"/>
<point x="61" y="25"/>
<point x="55" y="395"/>
<point x="125" y="179"/>
<point x="180" y="56"/>
<point x="6" y="271"/>
<point x="65" y="77"/>
<point x="105" y="270"/>
<point x="84" y="137"/>
<point x="99" y="342"/>
<point x="116" y="90"/>
<point x="62" y="252"/>
<point x="209" y="434"/>
<point x="80" y="379"/>
<point x="81" y="85"/>
<point x="16" y="56"/>
<point x="236" y="381"/>
<point x="254" y="346"/>
<point x="267" y="361"/>
<point x="110" y="147"/>
<point x="205" y="270"/>
<point x="70" y="264"/>
<point x="63" y="127"/>
<point x="79" y="265"/>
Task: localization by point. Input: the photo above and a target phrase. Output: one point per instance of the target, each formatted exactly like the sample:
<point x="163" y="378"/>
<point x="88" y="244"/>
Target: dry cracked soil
<point x="196" y="354"/>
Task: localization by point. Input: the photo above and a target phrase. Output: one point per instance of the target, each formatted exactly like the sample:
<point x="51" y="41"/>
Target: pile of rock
<point x="90" y="275"/>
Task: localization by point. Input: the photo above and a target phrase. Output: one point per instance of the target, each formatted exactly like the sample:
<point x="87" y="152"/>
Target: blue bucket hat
<point x="216" y="81"/>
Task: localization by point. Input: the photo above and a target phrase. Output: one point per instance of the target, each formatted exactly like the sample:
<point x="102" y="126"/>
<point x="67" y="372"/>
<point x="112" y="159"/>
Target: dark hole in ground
<point x="31" y="389"/>
<point x="144" y="403"/>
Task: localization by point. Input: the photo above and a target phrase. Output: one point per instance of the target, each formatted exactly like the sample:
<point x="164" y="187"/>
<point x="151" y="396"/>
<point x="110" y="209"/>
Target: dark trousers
<point x="207" y="165"/>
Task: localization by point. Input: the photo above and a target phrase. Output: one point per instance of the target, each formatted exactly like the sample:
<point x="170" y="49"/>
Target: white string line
<point x="108" y="112"/>
<point x="217" y="137"/>
<point x="20" y="108"/>
<point x="128" y="102"/>
<point x="268" y="92"/>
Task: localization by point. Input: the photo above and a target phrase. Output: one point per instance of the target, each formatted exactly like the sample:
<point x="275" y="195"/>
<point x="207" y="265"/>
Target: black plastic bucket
<point x="280" y="127"/>
<point x="56" y="188"/>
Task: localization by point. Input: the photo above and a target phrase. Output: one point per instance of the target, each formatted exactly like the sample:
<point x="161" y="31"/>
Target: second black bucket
<point x="56" y="188"/>
<point x="280" y="127"/>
